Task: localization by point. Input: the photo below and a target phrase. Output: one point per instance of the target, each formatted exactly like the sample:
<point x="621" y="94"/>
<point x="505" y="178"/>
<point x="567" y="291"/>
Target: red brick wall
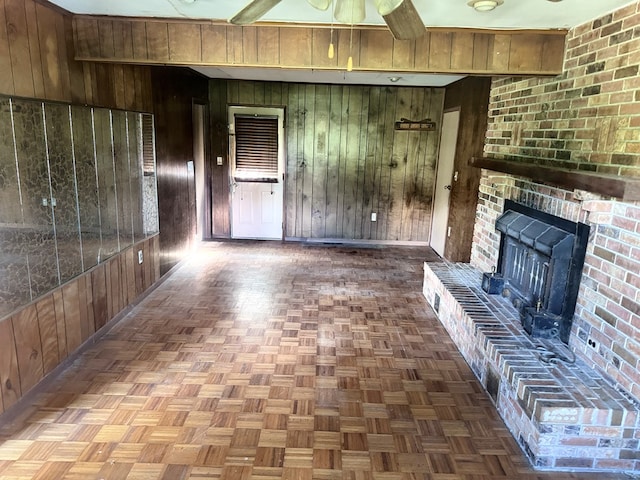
<point x="588" y="119"/>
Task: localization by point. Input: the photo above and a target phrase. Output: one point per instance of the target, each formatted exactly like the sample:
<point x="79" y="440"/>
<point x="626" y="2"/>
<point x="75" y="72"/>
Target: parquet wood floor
<point x="272" y="361"/>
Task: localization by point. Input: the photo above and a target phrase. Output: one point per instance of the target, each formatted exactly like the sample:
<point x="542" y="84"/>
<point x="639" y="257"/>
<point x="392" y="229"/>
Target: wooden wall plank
<point x="100" y="300"/>
<point x="90" y="315"/>
<point x="6" y="80"/>
<point x="376" y="48"/>
<point x="439" y="50"/>
<point x="499" y="56"/>
<point x="147" y="275"/>
<point x="9" y="376"/>
<point x="139" y="34"/>
<point x="321" y="38"/>
<point x="423" y="47"/>
<point x="76" y="70"/>
<point x="234" y="45"/>
<point x="214" y="44"/>
<point x="115" y="293"/>
<point x="481" y="52"/>
<point x="26" y="332"/>
<point x="185" y="42"/>
<point x="158" y="41"/>
<point x="461" y="45"/>
<point x="404" y="53"/>
<point x="250" y="45"/>
<point x="34" y="48"/>
<point x="552" y="54"/>
<point x="107" y="40"/>
<point x="268" y="43"/>
<point x="85" y="44"/>
<point x="72" y="320"/>
<point x="525" y="53"/>
<point x="83" y="308"/>
<point x="48" y="333"/>
<point x="333" y="148"/>
<point x="320" y="137"/>
<point x="19" y="47"/>
<point x="371" y="167"/>
<point x="300" y="55"/>
<point x="63" y="57"/>
<point x="130" y="274"/>
<point x="61" y="329"/>
<point x="47" y="31"/>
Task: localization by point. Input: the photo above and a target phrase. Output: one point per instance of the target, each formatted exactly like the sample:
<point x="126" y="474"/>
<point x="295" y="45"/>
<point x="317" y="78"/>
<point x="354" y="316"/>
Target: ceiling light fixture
<point x="485" y="5"/>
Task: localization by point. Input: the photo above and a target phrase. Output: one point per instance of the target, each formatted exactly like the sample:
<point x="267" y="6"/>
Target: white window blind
<point x="256" y="147"/>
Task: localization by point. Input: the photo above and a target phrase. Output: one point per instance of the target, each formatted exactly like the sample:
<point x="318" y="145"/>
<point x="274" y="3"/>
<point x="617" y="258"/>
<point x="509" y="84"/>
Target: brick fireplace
<point x="586" y="120"/>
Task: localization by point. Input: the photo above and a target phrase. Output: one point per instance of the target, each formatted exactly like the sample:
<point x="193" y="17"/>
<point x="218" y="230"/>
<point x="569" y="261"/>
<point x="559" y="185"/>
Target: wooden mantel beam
<point x="624" y="188"/>
<point x="196" y="43"/>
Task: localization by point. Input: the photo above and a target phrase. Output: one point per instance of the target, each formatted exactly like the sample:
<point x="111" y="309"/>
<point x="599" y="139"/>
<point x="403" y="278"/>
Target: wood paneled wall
<point x="38" y="338"/>
<point x="344" y="158"/>
<point x="37" y="61"/>
<point x="156" y="41"/>
<point x="174" y="90"/>
<point x="471" y="96"/>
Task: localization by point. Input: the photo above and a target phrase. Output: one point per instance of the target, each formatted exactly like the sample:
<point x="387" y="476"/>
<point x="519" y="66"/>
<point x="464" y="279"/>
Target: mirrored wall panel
<point x="77" y="185"/>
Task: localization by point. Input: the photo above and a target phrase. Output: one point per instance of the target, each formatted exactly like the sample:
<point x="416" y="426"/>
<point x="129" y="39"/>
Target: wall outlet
<point x="592" y="343"/>
<point x="219" y="160"/>
<point x="140" y="258"/>
<point x="374" y="217"/>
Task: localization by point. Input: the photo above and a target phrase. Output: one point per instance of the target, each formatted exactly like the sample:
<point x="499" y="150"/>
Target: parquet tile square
<point x="264" y="360"/>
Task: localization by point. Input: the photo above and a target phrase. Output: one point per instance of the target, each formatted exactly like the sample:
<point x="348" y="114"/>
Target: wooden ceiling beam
<point x="447" y="51"/>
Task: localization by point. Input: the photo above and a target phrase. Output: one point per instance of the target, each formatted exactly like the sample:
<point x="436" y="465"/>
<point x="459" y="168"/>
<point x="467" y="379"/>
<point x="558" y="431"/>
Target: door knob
<point x="447" y="187"/>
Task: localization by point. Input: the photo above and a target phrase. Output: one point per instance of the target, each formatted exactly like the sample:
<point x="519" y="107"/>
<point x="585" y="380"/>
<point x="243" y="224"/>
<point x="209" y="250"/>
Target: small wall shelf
<point x="624" y="188"/>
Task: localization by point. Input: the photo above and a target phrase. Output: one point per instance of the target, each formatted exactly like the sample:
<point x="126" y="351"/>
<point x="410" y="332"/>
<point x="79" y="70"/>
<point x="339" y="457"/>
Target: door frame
<point x="280" y="113"/>
<point x="439" y="181"/>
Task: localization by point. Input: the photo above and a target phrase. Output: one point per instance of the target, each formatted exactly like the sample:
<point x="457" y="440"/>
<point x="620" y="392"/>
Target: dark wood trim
<point x="624" y="188"/>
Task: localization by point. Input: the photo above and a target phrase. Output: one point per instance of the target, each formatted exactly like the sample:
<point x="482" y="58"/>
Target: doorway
<point x="256" y="141"/>
<point x="444" y="181"/>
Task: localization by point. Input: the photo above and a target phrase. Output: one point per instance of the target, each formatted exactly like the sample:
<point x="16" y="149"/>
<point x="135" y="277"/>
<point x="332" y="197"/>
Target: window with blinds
<point x="256" y="139"/>
<point x="148" y="157"/>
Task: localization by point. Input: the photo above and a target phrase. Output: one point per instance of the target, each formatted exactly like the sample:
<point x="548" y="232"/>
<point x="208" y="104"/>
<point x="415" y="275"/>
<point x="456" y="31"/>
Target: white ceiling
<point x="513" y="14"/>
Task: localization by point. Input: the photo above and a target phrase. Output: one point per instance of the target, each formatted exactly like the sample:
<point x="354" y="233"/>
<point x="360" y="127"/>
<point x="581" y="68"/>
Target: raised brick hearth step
<point x="565" y="415"/>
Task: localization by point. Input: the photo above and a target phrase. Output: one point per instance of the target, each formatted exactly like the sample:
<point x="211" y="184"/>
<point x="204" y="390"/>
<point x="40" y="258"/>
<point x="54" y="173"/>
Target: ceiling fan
<point x="401" y="16"/>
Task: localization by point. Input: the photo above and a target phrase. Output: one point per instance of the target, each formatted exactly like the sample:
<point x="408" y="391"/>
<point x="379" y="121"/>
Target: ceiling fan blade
<point x="404" y="21"/>
<point x="253" y="12"/>
<point x="321" y="4"/>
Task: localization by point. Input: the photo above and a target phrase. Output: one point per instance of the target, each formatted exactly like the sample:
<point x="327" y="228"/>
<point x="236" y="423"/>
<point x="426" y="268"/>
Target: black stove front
<point x="539" y="268"/>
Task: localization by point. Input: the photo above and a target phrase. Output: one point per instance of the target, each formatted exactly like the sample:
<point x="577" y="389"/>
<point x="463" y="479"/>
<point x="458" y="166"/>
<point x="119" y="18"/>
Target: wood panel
<point x="9" y="376"/>
<point x="373" y="48"/>
<point x="48" y="333"/>
<point x="471" y="96"/>
<point x="37" y="338"/>
<point x="174" y="91"/>
<point x="345" y="160"/>
<point x="37" y="48"/>
<point x="28" y="347"/>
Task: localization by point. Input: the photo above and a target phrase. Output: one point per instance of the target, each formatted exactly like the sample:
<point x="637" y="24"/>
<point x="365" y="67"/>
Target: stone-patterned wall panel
<point x="84" y="153"/>
<point x="121" y="169"/>
<point x="135" y="174"/>
<point x="14" y="270"/>
<point x="36" y="196"/>
<point x="63" y="190"/>
<point x="106" y="182"/>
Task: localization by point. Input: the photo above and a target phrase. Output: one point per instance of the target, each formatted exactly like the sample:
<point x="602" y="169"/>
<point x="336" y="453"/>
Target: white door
<point x="257" y="172"/>
<point x="444" y="180"/>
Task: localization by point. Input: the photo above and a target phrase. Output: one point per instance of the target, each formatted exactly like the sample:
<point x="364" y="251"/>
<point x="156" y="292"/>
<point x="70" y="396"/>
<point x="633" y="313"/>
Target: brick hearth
<point x="564" y="415"/>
